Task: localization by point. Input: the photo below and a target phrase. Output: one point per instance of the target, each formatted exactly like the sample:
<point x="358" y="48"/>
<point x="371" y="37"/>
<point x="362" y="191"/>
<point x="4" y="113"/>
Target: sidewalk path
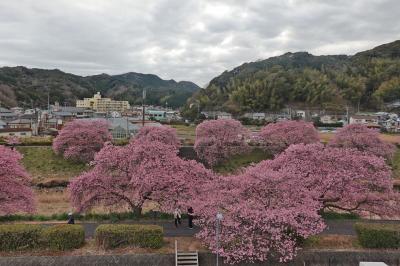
<point x="338" y="227"/>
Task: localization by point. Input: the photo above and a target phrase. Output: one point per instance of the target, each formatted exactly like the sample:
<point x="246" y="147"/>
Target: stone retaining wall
<point x="308" y="258"/>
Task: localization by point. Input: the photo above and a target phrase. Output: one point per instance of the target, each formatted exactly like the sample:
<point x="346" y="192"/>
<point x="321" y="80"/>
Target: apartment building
<point x="100" y="104"/>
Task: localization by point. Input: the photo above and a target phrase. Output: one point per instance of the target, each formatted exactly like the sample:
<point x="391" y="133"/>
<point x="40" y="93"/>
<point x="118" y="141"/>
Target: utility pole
<point x="143" y="109"/>
<point x="219" y="219"/>
<point x="127" y="128"/>
<point x="48" y="100"/>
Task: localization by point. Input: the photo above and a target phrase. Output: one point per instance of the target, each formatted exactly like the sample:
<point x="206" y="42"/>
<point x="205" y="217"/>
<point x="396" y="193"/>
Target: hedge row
<point x="28" y="236"/>
<point x="378" y="235"/>
<point x="112" y="217"/>
<point x="31" y="141"/>
<point x="19" y="236"/>
<point x="64" y="236"/>
<point x="113" y="236"/>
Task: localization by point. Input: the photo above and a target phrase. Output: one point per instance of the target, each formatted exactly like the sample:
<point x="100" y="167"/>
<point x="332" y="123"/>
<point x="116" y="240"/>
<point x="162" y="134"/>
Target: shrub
<point x="378" y="235"/>
<point x="340" y="216"/>
<point x="112" y="236"/>
<point x="63" y="236"/>
<point x="19" y="236"/>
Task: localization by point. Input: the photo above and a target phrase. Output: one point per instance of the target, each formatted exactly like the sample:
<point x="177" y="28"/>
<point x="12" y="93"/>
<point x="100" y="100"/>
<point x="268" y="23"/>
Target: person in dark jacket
<point x="71" y="219"/>
<point x="190" y="217"/>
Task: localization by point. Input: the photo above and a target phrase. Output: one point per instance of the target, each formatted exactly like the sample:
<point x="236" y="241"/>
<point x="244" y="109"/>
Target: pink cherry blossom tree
<point x="265" y="213"/>
<point x="132" y="174"/>
<point x="80" y="139"/>
<point x="276" y="137"/>
<point x="162" y="134"/>
<point x="362" y="138"/>
<point x="16" y="194"/>
<point x="217" y="140"/>
<point x="341" y="179"/>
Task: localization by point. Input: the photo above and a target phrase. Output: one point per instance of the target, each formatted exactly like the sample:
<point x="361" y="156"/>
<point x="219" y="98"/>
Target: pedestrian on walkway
<point x="190" y="217"/>
<point x="177" y="216"/>
<point x="71" y="219"/>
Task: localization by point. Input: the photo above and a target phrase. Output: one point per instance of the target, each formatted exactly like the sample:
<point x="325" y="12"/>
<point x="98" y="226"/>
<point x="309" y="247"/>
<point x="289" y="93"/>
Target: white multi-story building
<point x="100" y="104"/>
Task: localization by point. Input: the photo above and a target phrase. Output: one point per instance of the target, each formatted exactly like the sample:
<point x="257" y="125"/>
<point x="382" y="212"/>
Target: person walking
<point x="71" y="219"/>
<point x="177" y="216"/>
<point x="190" y="217"/>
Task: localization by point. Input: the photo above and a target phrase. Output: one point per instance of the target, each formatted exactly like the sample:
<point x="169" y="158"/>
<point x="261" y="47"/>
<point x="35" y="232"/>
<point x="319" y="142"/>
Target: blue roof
<point x="155" y="112"/>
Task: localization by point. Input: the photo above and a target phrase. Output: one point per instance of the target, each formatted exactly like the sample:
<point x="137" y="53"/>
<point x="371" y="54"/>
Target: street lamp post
<point x="219" y="219"/>
<point x="143" y="108"/>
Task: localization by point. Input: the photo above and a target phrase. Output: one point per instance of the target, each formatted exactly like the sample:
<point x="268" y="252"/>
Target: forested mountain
<point x="366" y="80"/>
<point x="29" y="87"/>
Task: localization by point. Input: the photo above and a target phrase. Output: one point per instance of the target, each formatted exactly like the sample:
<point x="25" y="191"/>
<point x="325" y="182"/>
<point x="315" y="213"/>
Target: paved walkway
<point x="339" y="227"/>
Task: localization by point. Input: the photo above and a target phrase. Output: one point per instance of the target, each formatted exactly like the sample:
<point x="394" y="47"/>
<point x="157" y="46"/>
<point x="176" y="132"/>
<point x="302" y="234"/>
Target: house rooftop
<point x="8" y="115"/>
<point x="6" y="130"/>
<point x="20" y="121"/>
<point x="71" y="109"/>
<point x="4" y="110"/>
<point x="364" y="116"/>
<point x="63" y="113"/>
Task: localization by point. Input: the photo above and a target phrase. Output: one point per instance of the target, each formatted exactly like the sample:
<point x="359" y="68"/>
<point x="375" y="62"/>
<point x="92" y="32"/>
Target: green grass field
<point x="186" y="133"/>
<point x="42" y="163"/>
<point x="242" y="160"/>
<point x="396" y="164"/>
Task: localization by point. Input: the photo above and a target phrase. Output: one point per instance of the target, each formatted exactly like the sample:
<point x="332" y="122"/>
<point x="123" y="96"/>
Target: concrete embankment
<point x="308" y="258"/>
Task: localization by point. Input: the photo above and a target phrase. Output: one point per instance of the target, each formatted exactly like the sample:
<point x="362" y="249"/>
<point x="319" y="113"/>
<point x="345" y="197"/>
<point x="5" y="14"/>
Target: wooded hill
<point x="29" y="87"/>
<point x="366" y="80"/>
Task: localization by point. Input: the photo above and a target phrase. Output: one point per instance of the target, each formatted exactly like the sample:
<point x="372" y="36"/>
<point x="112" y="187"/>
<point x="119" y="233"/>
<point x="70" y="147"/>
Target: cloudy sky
<point x="185" y="39"/>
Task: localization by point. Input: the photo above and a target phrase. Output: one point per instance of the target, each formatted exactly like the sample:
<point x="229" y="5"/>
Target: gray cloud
<point x="185" y="39"/>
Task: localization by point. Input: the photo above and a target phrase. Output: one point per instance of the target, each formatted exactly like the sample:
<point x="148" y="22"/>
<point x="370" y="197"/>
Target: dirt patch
<point x="332" y="242"/>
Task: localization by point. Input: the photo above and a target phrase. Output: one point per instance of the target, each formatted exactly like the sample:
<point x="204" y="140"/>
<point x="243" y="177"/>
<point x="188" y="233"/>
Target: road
<point x="338" y="227"/>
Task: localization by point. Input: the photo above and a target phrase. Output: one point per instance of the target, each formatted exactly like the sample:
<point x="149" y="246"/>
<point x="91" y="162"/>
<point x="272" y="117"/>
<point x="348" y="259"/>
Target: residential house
<point x="365" y="119"/>
<point x="97" y="115"/>
<point x="52" y="123"/>
<point x="391" y="125"/>
<point x="390" y="122"/>
<point x="17" y="110"/>
<point x="77" y="112"/>
<point x="172" y="116"/>
<point x="255" y="116"/>
<point x="4" y="110"/>
<point x="332" y="119"/>
<point x="3" y="124"/>
<point x="157" y="115"/>
<point x="30" y="111"/>
<point x="300" y="114"/>
<point x="114" y="114"/>
<point x="8" y="116"/>
<point x="19" y="132"/>
<point x="20" y="123"/>
<point x="216" y="115"/>
<point x="64" y="116"/>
